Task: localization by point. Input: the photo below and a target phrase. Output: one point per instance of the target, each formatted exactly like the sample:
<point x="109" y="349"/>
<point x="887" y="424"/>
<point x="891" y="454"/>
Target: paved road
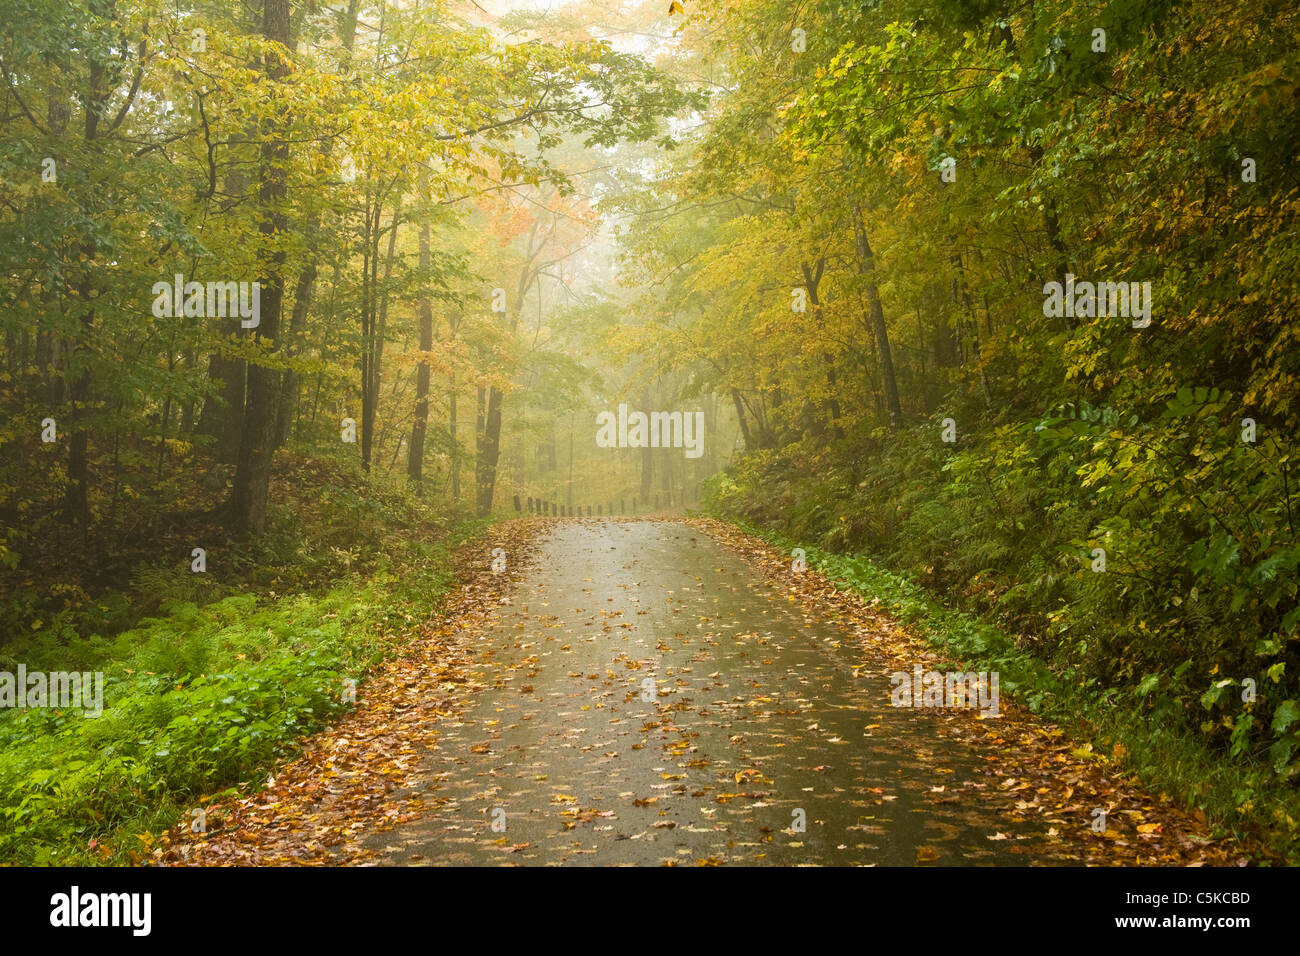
<point x="758" y="716"/>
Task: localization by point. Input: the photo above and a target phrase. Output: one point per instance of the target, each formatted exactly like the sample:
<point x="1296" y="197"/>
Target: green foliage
<point x="1162" y="450"/>
<point x="203" y="698"/>
<point x="1199" y="585"/>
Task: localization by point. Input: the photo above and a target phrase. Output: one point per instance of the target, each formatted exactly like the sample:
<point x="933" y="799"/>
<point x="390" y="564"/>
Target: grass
<point x="224" y="680"/>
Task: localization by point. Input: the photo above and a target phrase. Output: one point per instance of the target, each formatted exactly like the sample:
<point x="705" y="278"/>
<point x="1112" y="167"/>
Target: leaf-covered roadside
<point x="1045" y="773"/>
<point x="349" y="778"/>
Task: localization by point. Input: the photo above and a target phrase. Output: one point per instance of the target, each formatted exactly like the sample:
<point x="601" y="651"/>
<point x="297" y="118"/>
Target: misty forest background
<point x="649" y="185"/>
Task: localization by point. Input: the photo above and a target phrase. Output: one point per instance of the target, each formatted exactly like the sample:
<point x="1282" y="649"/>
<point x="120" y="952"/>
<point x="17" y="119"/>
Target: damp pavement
<point x="649" y="700"/>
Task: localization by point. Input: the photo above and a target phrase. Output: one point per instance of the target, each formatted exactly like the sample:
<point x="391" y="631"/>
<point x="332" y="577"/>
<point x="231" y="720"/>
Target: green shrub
<point x="196" y="700"/>
<point x="1200" y="586"/>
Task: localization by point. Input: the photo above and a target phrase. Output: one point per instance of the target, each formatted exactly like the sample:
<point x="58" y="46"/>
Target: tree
<point x="248" y="498"/>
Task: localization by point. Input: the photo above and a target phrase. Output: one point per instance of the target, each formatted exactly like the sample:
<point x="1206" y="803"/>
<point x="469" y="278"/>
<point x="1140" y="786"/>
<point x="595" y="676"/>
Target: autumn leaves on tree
<point x="362" y="164"/>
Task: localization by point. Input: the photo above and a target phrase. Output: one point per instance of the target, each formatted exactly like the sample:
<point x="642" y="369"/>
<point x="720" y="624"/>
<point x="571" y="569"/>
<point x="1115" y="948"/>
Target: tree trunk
<point x="1052" y="229"/>
<point x="961" y="297"/>
<point x="248" y="497"/>
<point x="223" y="414"/>
<point x="489" y="449"/>
<point x="489" y="452"/>
<point x="876" y="316"/>
<point x="647" y="455"/>
<point x="454" y="434"/>
<point x="77" y="500"/>
<point x="415" y="463"/>
<point x="812" y="280"/>
<point x="740" y="417"/>
<point x="374" y="318"/>
<point x="222" y="417"/>
<point x="306" y="287"/>
<point x="302" y="297"/>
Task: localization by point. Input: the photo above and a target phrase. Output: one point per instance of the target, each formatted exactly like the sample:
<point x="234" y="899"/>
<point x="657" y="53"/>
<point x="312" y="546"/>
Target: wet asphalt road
<point x="650" y="700"/>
